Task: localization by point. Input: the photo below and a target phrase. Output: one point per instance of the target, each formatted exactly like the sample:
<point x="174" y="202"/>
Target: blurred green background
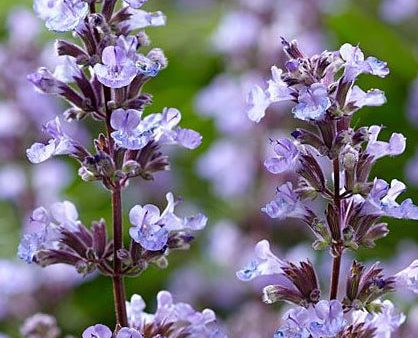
<point x="185" y="40"/>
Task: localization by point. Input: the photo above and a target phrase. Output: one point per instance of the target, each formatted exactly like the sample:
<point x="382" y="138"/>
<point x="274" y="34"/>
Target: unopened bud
<point x="157" y="55"/>
<point x="349" y="158"/>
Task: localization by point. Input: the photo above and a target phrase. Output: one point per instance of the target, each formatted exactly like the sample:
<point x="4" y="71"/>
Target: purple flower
<point x="408" y="277"/>
<point x="325" y="319"/>
<point x="378" y="149"/>
<point x="44" y="224"/>
<point x="45" y="82"/>
<point x="59" y="144"/>
<point x="355" y="64"/>
<point x="329" y="319"/>
<point x="67" y="69"/>
<point x="263" y="263"/>
<point x="358" y="98"/>
<point x="135" y="3"/>
<point x="201" y="324"/>
<point x="61" y="15"/>
<point x="197" y="324"/>
<point x="286" y="204"/>
<point x="135" y="310"/>
<point x="129" y="132"/>
<point x="126" y="332"/>
<point x="287" y="156"/>
<point x="140" y="19"/>
<point x="117" y="70"/>
<point x="313" y="103"/>
<point x="146" y="66"/>
<point x="97" y="331"/>
<point x="296" y="322"/>
<point x="188" y="138"/>
<point x="258" y="102"/>
<point x="278" y="89"/>
<point x="386" y="321"/>
<point x="30" y="245"/>
<point x="382" y="201"/>
<point x="165" y="130"/>
<point x="152" y="229"/>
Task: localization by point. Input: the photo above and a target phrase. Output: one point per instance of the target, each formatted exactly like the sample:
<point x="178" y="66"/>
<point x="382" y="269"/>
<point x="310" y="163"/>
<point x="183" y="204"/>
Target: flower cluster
<point x="170" y="319"/>
<point x="323" y="93"/>
<point x="102" y="77"/>
<point x="243" y="38"/>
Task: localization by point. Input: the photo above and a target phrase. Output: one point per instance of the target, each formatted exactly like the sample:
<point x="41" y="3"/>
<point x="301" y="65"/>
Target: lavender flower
<point x="135" y="3"/>
<point x="45" y="224"/>
<point x="258" y="102"/>
<point x="140" y="19"/>
<point x="358" y="98"/>
<point x="296" y="324"/>
<point x="277" y="88"/>
<point x="59" y="144"/>
<point x="325" y="319"/>
<point x="355" y="64"/>
<point x="312" y="93"/>
<point x="263" y="263"/>
<point x="98" y="330"/>
<point x="330" y="320"/>
<point x="286" y="204"/>
<point x="313" y="103"/>
<point x="408" y="277"/>
<point x="129" y="333"/>
<point x="117" y="70"/>
<point x="287" y="155"/>
<point x="179" y="316"/>
<point x="129" y="133"/>
<point x="45" y="82"/>
<point x="152" y="229"/>
<point x="384" y="322"/>
<point x="378" y="149"/>
<point x="382" y="201"/>
<point x="61" y="15"/>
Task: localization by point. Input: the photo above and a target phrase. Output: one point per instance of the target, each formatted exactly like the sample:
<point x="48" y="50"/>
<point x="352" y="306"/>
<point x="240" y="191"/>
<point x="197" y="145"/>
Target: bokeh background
<point x="199" y="52"/>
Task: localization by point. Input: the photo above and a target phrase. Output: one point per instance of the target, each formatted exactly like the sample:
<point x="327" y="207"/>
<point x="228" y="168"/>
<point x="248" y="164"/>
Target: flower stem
<point x="118" y="283"/>
<point x="336" y="263"/>
<point x="117" y="277"/>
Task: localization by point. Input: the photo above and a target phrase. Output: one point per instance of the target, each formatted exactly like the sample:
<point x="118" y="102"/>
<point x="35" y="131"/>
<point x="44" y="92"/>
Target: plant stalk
<point x="117" y="278"/>
<point x="336" y="263"/>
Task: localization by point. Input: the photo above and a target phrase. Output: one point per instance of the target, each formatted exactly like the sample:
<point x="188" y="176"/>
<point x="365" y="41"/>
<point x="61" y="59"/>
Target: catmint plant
<point x="332" y="159"/>
<point x="102" y="78"/>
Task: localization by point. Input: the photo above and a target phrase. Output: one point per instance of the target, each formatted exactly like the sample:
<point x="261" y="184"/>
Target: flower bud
<point x="349" y="158"/>
<point x="86" y="175"/>
<point x="157" y="55"/>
